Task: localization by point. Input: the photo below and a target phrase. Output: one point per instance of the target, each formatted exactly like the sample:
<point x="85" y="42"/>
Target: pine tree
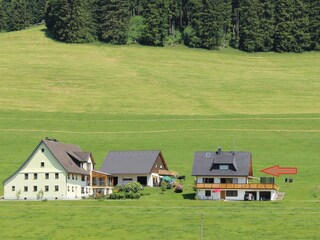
<point x="155" y="13"/>
<point x="37" y="9"/>
<point x="301" y="27"/>
<point x="114" y="18"/>
<point x="314" y="24"/>
<point x="3" y="24"/>
<point x="235" y="23"/>
<point x="20" y="16"/>
<point x="283" y="38"/>
<point x="70" y="20"/>
<point x="250" y="37"/>
<point x="209" y="20"/>
<point x="267" y="23"/>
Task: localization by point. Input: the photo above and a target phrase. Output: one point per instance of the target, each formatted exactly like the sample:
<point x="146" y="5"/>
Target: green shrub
<point x="164" y="186"/>
<point x="136" y="28"/>
<point x="171" y="40"/>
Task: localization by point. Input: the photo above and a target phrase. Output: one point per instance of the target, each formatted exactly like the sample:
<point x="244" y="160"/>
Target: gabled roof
<point x="64" y="154"/>
<point x="207" y="163"/>
<point x="131" y="162"/>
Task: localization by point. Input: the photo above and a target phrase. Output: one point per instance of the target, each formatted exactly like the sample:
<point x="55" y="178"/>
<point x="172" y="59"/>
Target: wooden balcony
<point x="167" y="173"/>
<point x="260" y="186"/>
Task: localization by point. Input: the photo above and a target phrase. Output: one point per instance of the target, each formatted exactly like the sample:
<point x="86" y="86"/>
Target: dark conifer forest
<point x="248" y="25"/>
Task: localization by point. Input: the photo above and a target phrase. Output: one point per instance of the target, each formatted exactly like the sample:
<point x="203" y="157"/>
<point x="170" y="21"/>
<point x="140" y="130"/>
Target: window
<point x="72" y="189"/>
<point x="13" y="188"/>
<point x="26" y="176"/>
<point x="68" y="176"/>
<point x="56" y="175"/>
<point x="232" y="193"/>
<point x="82" y="190"/>
<point x="56" y="188"/>
<point x="226" y="180"/>
<point x="83" y="178"/>
<point x="47" y="176"/>
<point x="35" y="188"/>
<point x="35" y="176"/>
<point x="208" y="193"/>
<point x="223" y="167"/>
<point x="207" y="180"/>
<point x="46" y="188"/>
<point x="42" y="164"/>
<point x="160" y="166"/>
<point x="42" y="149"/>
<point x="25" y="188"/>
<point x="68" y="188"/>
<point x="72" y="176"/>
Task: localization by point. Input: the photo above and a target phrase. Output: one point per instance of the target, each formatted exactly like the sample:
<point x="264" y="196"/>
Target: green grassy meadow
<point x="174" y="99"/>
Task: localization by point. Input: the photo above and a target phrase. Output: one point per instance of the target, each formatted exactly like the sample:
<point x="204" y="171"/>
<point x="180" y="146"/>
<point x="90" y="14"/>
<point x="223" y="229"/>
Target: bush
<point x="174" y="39"/>
<point x="128" y="191"/>
<point x="164" y="186"/>
<point x="136" y="28"/>
<point x="179" y="189"/>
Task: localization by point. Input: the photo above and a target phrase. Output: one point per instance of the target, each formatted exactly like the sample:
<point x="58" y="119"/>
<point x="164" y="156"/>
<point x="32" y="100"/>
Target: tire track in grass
<point x="163" y="131"/>
<point x="163" y="120"/>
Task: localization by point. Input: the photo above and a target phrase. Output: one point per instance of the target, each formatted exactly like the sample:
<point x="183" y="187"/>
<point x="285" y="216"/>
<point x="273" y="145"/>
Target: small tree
<point x="18" y="193"/>
<point x="40" y="194"/>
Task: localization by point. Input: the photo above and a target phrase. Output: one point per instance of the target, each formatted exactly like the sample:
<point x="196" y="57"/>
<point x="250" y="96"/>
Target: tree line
<point x="248" y="25"/>
<point x="19" y="14"/>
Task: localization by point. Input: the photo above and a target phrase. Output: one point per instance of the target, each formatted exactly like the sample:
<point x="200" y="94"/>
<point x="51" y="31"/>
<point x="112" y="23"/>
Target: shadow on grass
<point x="49" y="35"/>
<point x="189" y="196"/>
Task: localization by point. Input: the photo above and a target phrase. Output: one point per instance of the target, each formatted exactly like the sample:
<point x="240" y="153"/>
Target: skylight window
<point x="224" y="167"/>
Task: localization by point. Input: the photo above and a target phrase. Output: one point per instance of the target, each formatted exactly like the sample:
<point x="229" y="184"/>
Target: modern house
<point x="56" y="170"/>
<point x="228" y="176"/>
<point x="145" y="167"/>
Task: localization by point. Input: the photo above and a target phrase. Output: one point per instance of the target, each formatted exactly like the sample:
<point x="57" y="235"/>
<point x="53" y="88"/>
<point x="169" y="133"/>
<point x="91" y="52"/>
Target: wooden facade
<point x="237" y="186"/>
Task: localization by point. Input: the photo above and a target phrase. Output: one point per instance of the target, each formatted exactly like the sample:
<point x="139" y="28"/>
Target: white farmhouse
<point x="226" y="175"/>
<point x="56" y="170"/>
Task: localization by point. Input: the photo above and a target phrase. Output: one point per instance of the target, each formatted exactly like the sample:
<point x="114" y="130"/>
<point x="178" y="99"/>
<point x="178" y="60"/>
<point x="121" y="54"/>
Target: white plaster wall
<point x="51" y="166"/>
<point x="135" y="178"/>
<point x="201" y="195"/>
<point x="74" y="187"/>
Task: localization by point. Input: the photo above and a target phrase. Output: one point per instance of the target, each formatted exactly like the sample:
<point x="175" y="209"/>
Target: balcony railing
<point x="237" y="186"/>
<point x="100" y="184"/>
<point x="168" y="172"/>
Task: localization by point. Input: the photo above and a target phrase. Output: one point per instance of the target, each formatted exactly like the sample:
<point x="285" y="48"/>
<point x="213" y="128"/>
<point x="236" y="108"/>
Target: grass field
<point x="178" y="100"/>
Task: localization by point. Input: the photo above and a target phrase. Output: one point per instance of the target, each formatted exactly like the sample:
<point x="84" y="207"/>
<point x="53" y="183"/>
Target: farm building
<point x="56" y="170"/>
<point x="226" y="175"/>
<point x="145" y="167"/>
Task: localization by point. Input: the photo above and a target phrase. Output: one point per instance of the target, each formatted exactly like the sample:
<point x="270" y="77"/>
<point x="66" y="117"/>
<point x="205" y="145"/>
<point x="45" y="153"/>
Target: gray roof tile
<point x="130" y="162"/>
<point x="206" y="163"/>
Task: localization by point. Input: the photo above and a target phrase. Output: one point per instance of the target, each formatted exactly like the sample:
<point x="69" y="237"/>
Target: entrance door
<point x="223" y="194"/>
<point x="115" y="181"/>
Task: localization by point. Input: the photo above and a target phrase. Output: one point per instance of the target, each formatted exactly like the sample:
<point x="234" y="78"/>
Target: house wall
<point x="74" y="186"/>
<point x="50" y="166"/>
<point x="217" y="179"/>
<point x="134" y="178"/>
<point x="217" y="195"/>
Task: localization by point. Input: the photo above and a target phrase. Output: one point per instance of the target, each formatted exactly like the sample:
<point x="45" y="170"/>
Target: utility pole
<point x="201" y="227"/>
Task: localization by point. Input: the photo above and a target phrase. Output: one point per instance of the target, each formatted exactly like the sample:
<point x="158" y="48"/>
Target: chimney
<point x="219" y="151"/>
